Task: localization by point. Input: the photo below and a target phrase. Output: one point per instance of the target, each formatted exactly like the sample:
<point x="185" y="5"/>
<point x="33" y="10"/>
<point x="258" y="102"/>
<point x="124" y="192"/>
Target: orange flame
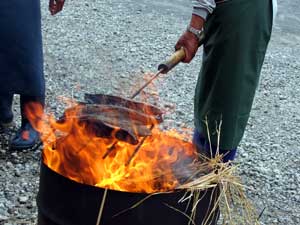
<point x="72" y="151"/>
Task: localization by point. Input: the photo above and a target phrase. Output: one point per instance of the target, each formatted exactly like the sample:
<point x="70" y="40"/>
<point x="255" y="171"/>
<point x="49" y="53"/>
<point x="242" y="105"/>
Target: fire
<point x="71" y="150"/>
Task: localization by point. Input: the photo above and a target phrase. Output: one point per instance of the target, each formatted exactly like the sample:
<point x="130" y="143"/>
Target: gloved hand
<point x="189" y="41"/>
<point x="190" y="44"/>
<point x="56" y="6"/>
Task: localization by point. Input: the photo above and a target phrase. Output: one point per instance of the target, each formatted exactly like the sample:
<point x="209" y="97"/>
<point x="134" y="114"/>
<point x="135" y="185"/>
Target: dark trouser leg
<point x="24" y="100"/>
<point x="203" y="147"/>
<point x="6" y="114"/>
<point x="26" y="137"/>
<point x="237" y="35"/>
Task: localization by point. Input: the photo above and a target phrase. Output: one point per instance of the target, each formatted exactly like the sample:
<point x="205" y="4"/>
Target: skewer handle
<point x="170" y="63"/>
<point x="177" y="57"/>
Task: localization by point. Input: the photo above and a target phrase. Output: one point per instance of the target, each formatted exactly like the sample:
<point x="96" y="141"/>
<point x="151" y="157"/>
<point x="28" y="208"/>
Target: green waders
<point x="237" y="35"/>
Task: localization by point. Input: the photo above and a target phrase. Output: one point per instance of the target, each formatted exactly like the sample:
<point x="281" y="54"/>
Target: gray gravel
<point x="106" y="46"/>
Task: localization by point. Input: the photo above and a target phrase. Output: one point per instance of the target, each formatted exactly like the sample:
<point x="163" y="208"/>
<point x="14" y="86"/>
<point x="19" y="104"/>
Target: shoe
<point x="26" y="138"/>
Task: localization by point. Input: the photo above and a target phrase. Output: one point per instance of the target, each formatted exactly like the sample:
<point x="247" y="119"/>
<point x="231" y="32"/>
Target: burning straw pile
<point x="114" y="143"/>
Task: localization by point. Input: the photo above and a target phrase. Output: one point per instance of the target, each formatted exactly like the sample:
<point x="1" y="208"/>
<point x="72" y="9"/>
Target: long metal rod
<point x="146" y="84"/>
<point x="164" y="67"/>
<point x="112" y="147"/>
<point x="137" y="148"/>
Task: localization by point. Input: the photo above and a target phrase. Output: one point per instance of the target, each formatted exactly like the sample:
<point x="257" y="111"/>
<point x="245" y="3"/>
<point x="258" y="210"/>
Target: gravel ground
<point x="106" y="46"/>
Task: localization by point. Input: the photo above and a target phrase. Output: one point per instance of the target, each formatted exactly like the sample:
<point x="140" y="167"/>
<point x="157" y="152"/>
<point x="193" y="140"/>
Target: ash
<point x="106" y="46"/>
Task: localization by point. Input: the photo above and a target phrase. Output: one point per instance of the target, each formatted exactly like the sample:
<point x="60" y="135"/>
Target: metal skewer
<point x="147" y="83"/>
<point x="112" y="147"/>
<point x="163" y="68"/>
<point x="138" y="148"/>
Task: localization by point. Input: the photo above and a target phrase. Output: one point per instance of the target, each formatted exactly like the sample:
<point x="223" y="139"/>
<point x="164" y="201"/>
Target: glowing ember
<point x="74" y="152"/>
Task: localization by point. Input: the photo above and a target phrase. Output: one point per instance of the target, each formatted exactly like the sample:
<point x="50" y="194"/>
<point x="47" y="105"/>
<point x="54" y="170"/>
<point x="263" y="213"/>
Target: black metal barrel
<point x="64" y="202"/>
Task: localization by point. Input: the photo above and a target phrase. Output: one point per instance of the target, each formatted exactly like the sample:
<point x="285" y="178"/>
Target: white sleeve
<point x="274" y="9"/>
<point x="203" y="7"/>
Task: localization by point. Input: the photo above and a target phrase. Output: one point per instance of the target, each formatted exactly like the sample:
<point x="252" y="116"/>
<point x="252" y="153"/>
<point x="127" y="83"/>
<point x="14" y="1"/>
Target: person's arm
<point x="188" y="40"/>
<point x="203" y="7"/>
<point x="56" y="6"/>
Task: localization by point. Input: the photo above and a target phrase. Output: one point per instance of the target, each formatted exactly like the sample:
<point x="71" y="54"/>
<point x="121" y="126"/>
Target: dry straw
<point x="228" y="196"/>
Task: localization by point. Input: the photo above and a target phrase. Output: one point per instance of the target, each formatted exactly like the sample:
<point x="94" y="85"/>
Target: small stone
<point x="18" y="173"/>
<point x="9" y="165"/>
<point x="23" y="199"/>
<point x="3" y="217"/>
<point x="281" y="97"/>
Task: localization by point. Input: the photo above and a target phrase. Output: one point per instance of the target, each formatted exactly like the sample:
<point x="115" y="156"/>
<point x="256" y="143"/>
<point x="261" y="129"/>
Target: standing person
<point x="237" y="33"/>
<point x="21" y="64"/>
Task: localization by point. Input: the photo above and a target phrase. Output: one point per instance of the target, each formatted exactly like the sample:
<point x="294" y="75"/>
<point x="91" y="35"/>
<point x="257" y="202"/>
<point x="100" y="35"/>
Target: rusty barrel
<point x="62" y="201"/>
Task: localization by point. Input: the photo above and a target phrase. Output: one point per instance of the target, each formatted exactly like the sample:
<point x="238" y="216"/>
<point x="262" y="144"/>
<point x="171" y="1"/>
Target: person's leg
<point x="6" y="114"/>
<point x="237" y="35"/>
<point x="26" y="137"/>
<point x="204" y="147"/>
<point x="24" y="100"/>
<point x="30" y="72"/>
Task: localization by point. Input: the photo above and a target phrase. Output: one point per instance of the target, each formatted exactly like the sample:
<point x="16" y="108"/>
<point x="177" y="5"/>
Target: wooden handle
<point x="170" y="63"/>
<point x="177" y="57"/>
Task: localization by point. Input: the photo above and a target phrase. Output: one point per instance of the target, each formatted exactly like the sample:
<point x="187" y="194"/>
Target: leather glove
<point x="56" y="6"/>
<point x="190" y="44"/>
<point x="189" y="41"/>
